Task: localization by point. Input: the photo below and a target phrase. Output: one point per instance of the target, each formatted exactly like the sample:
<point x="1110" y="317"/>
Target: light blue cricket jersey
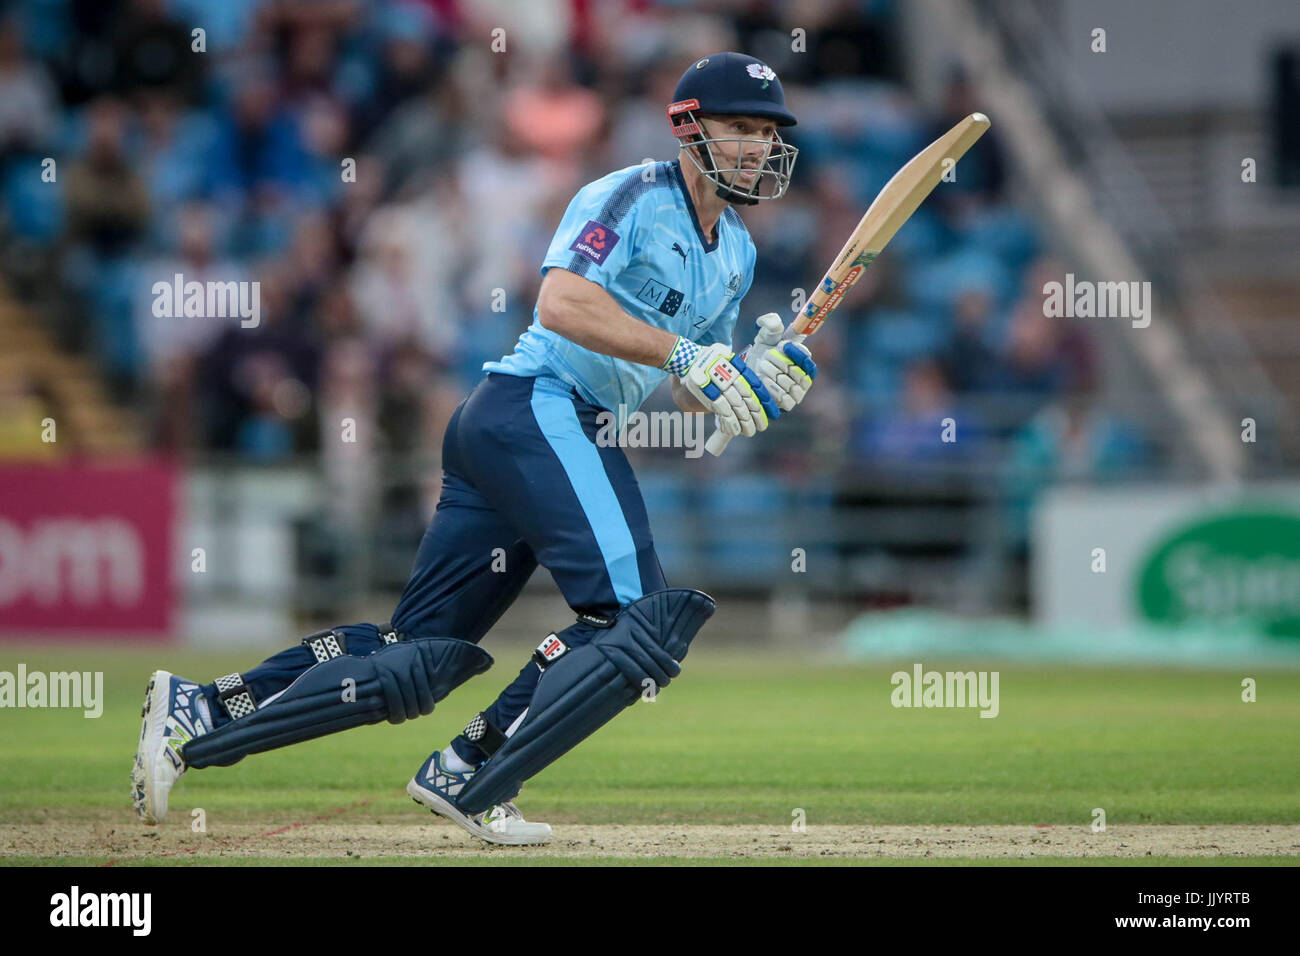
<point x="635" y="233"/>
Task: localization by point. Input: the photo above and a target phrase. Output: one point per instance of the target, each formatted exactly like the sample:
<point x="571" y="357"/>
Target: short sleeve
<point x="600" y="232"/>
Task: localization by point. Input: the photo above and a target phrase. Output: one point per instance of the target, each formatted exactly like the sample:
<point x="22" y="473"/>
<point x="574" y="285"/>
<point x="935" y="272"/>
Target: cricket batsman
<point x="643" y="280"/>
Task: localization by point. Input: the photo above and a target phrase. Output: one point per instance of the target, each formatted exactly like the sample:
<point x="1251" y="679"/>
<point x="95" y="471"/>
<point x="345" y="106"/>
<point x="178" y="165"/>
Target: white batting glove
<point x="787" y="369"/>
<point x="725" y="384"/>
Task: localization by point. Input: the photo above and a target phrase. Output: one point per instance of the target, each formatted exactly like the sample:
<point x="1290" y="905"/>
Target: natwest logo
<point x="595" y="241"/>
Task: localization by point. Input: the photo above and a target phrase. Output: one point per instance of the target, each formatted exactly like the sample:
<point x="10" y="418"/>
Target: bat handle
<point x="717" y="442"/>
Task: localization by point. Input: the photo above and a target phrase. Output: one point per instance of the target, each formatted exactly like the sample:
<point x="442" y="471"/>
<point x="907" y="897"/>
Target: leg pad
<point x="587" y="686"/>
<point x="398" y="682"/>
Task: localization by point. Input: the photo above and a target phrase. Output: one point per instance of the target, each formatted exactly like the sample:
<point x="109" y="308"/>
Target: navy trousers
<point x="524" y="484"/>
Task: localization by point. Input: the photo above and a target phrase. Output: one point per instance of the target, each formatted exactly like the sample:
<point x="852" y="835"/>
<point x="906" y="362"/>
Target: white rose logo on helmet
<point x="761" y="71"/>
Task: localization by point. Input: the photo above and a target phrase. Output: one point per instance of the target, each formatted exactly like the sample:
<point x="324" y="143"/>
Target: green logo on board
<point x="1240" y="568"/>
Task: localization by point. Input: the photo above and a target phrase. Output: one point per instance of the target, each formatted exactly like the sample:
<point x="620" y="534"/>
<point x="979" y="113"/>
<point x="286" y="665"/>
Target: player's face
<point x="744" y="142"/>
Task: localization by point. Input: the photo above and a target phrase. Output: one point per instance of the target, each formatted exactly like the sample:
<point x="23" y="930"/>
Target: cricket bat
<point x="892" y="207"/>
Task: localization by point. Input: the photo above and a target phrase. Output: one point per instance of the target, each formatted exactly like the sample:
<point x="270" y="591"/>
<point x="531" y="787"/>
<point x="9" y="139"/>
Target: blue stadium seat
<point x="667" y="496"/>
<point x="34" y="209"/>
<point x="747" y="546"/>
<point x="904" y="336"/>
<point x="1004" y="233"/>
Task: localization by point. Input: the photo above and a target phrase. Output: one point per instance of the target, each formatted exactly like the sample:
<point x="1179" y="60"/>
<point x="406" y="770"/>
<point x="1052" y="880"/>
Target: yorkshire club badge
<point x="761" y="71"/>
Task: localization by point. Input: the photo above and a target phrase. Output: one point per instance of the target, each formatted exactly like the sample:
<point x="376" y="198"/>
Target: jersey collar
<point x="675" y="171"/>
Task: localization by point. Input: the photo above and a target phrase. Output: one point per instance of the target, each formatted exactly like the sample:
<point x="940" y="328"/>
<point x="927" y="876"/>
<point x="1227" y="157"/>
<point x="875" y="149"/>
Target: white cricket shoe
<point x="170" y="720"/>
<point x="434" y="785"/>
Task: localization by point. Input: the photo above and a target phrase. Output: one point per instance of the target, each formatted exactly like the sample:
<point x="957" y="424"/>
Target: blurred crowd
<point x="392" y="171"/>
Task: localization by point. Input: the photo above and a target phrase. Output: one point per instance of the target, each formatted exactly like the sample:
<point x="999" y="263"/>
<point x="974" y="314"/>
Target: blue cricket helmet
<point x="733" y="84"/>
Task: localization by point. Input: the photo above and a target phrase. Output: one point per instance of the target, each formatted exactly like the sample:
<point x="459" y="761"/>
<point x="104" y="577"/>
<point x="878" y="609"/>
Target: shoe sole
<point x="436" y="804"/>
<point x="153" y="716"/>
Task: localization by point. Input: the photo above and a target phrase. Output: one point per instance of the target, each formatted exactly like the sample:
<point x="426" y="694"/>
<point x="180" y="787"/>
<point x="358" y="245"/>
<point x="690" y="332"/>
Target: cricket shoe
<point x="434" y="785"/>
<point x="170" y="721"/>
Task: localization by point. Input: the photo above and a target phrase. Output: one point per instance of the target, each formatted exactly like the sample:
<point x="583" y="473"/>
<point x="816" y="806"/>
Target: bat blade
<point x="892" y="207"/>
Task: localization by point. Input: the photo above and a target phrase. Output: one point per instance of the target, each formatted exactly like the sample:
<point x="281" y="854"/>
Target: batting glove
<point x="786" y="369"/>
<point x="725" y="384"/>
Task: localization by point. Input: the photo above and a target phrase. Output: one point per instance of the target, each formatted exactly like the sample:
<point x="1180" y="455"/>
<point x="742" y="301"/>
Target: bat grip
<point x="717" y="442"/>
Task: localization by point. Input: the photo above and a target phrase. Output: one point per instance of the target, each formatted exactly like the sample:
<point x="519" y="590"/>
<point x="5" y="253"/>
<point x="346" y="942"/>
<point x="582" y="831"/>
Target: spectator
<point x="258" y="381"/>
<point x="165" y="334"/>
<point x="554" y="117"/>
<point x="919" y="434"/>
<point x="1071" y="440"/>
<point x="27" y="98"/>
<point x="108" y="202"/>
<point x="405" y="69"/>
<point x="154" y="52"/>
<point x="349" y="434"/>
<point x="971" y="360"/>
<point x="176" y="152"/>
<point x="260" y="148"/>
<point x="1041" y="358"/>
<point x="983" y="171"/>
<point x="396" y="288"/>
<point x="22" y="413"/>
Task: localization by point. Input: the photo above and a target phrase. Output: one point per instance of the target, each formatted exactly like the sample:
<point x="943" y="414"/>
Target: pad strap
<point x="235" y="696"/>
<point x="327" y="645"/>
<point x="484" y="734"/>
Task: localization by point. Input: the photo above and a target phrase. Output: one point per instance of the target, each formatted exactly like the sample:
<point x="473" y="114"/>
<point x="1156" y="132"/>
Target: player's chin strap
<point x="735" y="198"/>
<point x="583" y="688"/>
<point x="400" y="681"/>
<point x="709" y="167"/>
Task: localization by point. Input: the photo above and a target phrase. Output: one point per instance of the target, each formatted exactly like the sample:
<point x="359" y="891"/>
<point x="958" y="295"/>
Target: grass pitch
<point x="740" y="740"/>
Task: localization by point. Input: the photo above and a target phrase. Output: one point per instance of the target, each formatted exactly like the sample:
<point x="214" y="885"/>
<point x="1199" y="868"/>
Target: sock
<point x="205" y="715"/>
<point x="451" y="760"/>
